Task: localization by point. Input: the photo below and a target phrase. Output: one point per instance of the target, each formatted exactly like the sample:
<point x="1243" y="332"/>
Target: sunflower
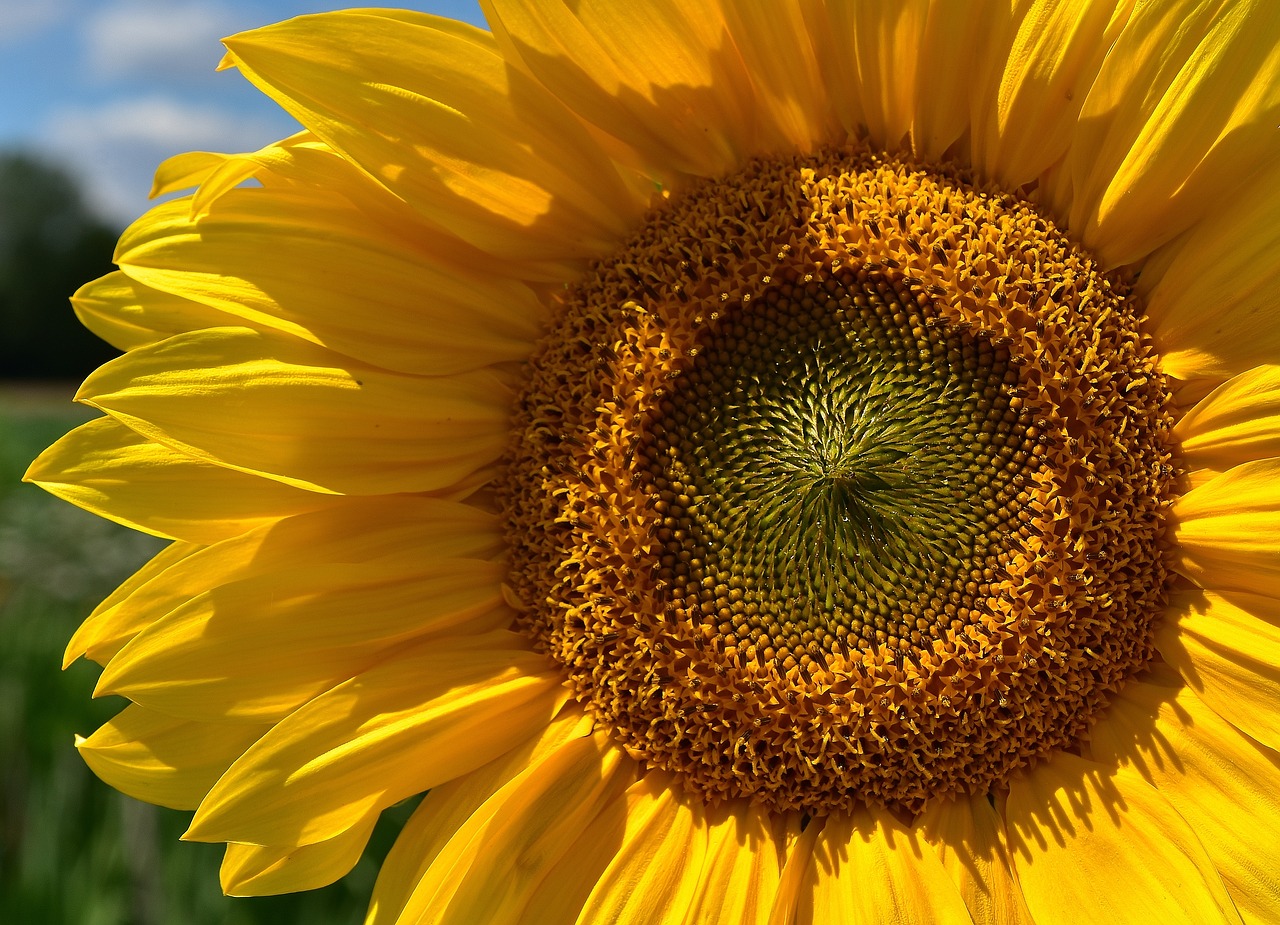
<point x="744" y="462"/>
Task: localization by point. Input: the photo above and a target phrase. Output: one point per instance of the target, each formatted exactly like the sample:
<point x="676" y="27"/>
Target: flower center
<point x="842" y="482"/>
<point x="828" y="472"/>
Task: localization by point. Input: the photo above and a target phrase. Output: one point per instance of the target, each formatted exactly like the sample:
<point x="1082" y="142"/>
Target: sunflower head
<point x="843" y="482"/>
<point x="745" y="462"/>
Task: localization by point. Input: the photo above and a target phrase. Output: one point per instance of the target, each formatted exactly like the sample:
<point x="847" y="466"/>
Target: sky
<point x="109" y="88"/>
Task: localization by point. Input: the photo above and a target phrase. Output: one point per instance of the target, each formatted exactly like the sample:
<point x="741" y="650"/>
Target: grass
<point x="72" y="850"/>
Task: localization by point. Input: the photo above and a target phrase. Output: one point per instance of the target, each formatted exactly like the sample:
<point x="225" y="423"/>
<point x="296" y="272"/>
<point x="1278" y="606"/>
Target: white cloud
<point x="155" y="120"/>
<point x="158" y="38"/>
<point x="115" y="148"/>
<point x="21" y="19"/>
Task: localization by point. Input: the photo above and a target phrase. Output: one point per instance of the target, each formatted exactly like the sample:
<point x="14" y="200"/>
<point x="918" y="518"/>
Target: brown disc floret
<point x="843" y="481"/>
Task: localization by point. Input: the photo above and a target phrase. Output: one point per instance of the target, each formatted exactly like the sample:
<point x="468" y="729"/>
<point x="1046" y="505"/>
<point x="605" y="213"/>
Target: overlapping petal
<point x="1228" y="530"/>
<point x="889" y="69"/>
<point x="162" y="759"/>
<point x="1182" y="113"/>
<point x="447" y="125"/>
<point x="954" y="42"/>
<point x="1226" y="647"/>
<point x="266" y="870"/>
<point x="664" y="78"/>
<point x="348" y="534"/>
<point x="113" y="623"/>
<point x="314" y="265"/>
<point x="447" y="809"/>
<point x="1237" y="422"/>
<point x="235" y="651"/>
<point x="1211" y="291"/>
<point x="795" y="887"/>
<point x="127" y="314"/>
<point x="106" y="468"/>
<point x="318" y="421"/>
<point x="1097" y="844"/>
<point x="654" y="875"/>
<point x="969" y="837"/>
<point x="183" y="171"/>
<point x="1225" y="787"/>
<point x="745" y="854"/>
<point x="430" y="713"/>
<point x="1025" y="121"/>
<point x="869" y="868"/>
<point x="498" y="859"/>
<point x="778" y="50"/>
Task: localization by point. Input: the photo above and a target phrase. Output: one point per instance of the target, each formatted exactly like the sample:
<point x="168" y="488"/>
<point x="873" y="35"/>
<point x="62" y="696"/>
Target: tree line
<point x="50" y="244"/>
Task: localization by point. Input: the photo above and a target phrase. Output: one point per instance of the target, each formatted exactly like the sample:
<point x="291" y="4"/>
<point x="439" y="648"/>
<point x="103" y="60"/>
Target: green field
<point x="72" y="850"/>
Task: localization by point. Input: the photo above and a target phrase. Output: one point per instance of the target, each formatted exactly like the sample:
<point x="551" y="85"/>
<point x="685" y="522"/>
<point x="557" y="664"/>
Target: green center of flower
<point x="842" y="482"/>
<point x="832" y="467"/>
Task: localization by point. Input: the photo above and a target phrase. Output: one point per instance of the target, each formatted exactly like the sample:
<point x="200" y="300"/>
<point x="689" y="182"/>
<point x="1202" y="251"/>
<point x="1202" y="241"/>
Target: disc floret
<point x="843" y="482"/>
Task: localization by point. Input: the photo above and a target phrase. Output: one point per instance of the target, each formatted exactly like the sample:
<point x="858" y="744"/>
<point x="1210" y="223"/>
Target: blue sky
<point x="109" y="88"/>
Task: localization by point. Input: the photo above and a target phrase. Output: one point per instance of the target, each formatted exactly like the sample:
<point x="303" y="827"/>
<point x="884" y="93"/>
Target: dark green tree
<point x="50" y="244"/>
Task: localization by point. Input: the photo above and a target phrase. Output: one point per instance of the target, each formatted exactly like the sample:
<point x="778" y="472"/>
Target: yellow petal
<point x="447" y="808"/>
<point x="105" y="631"/>
<point x="870" y="869"/>
<point x="430" y="109"/>
<point x="1092" y="844"/>
<point x="353" y="532"/>
<point x="304" y="164"/>
<point x="906" y="69"/>
<point x="654" y="876"/>
<point x="903" y="69"/>
<point x="1239" y="421"/>
<point x="127" y="314"/>
<point x="183" y="171"/>
<point x="1189" y="394"/>
<point x="831" y="30"/>
<point x="433" y="712"/>
<point x="1228" y="530"/>
<point x="795" y="888"/>
<point x="968" y="836"/>
<point x="272" y="405"/>
<point x="1225" y="786"/>
<point x="163" y="760"/>
<point x="1183" y="111"/>
<point x="791" y="100"/>
<point x="315" y="266"/>
<point x="1210" y="294"/>
<point x="663" y="77"/>
<point x="106" y="468"/>
<point x="953" y="43"/>
<point x="1027" y="123"/>
<point x="1227" y="649"/>
<point x="746" y="850"/>
<point x="257" y="648"/>
<point x="498" y="859"/>
<point x="566" y="886"/>
<point x="257" y="870"/>
<point x="235" y="169"/>
<point x="875" y="48"/>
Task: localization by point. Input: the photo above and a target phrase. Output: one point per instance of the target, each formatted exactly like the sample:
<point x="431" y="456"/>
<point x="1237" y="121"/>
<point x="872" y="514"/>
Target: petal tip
<point x="72" y="655"/>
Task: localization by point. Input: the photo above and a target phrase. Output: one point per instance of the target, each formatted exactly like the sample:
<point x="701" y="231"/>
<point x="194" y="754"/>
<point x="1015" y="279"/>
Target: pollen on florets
<point x="842" y="482"/>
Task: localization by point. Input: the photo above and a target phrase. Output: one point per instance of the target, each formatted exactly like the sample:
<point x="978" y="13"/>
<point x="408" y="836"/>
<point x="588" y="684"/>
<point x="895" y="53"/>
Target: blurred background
<point x="93" y="95"/>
